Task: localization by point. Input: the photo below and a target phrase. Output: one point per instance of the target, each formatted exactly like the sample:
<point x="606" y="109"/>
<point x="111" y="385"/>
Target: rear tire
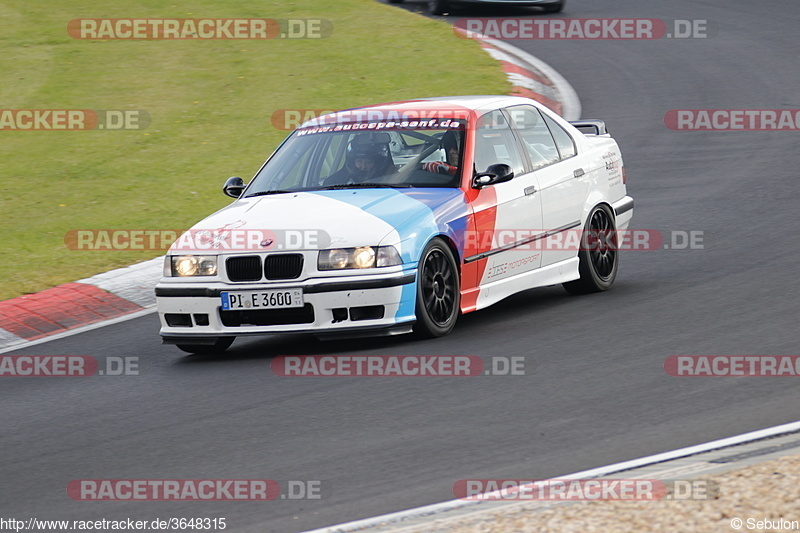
<point x="599" y="255"/>
<point x="221" y="344"/>
<point x="438" y="291"/>
<point x="438" y="7"/>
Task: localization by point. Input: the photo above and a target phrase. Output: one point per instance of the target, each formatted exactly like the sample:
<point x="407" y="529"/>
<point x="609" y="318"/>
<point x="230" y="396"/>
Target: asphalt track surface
<point x="594" y="392"/>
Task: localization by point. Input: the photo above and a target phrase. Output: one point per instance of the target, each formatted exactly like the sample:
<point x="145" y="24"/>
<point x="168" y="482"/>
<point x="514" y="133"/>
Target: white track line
<point x="82" y="329"/>
<point x="571" y="104"/>
<point x="595" y="472"/>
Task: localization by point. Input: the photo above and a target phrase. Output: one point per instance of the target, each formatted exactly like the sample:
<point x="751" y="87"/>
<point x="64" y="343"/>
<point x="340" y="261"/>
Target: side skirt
<point x="493" y="292"/>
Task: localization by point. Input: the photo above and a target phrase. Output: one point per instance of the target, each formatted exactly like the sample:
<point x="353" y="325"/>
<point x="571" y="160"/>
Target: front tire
<point x="221" y="344"/>
<point x="599" y="255"/>
<point x="438" y="7"/>
<point x="438" y="291"/>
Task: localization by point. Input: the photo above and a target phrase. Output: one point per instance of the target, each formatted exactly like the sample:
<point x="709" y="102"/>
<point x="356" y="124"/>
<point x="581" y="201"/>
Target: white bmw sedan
<point x="399" y="217"/>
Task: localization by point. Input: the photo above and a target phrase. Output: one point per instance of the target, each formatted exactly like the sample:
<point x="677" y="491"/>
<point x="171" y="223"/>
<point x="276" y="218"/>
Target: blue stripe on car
<point x="417" y="215"/>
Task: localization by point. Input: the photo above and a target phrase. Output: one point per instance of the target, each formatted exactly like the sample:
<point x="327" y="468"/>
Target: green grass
<point x="210" y="103"/>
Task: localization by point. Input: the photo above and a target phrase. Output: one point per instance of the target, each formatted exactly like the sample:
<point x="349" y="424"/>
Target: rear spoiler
<point x="590" y="126"/>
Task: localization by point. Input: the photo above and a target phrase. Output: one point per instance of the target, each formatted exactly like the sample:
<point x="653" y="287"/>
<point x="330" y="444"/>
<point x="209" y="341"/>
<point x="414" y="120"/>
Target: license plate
<point x="272" y="299"/>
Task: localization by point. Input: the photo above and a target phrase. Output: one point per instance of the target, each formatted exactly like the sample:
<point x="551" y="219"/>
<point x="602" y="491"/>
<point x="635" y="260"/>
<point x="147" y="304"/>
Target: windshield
<point x="424" y="153"/>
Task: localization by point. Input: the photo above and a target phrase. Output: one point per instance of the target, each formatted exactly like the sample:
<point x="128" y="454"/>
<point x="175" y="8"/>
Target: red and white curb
<point x="69" y="308"/>
<point x="127" y="292"/>
<point x="533" y="78"/>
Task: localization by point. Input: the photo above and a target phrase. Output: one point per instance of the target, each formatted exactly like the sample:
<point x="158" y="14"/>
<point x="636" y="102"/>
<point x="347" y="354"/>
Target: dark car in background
<point x="440" y="7"/>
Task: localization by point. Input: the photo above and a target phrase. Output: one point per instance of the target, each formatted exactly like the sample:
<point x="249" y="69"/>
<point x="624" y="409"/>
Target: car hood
<point x="312" y="220"/>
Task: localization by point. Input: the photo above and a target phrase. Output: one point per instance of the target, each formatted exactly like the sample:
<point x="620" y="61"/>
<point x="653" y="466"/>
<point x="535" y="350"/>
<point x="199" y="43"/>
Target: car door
<point x="516" y="209"/>
<point x="563" y="184"/>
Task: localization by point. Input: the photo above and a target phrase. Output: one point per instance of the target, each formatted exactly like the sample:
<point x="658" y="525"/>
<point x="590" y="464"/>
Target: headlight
<point x="361" y="257"/>
<point x="364" y="257"/>
<point x="194" y="265"/>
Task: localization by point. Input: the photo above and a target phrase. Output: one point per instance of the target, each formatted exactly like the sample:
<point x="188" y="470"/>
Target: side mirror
<point x="497" y="173"/>
<point x="234" y="187"/>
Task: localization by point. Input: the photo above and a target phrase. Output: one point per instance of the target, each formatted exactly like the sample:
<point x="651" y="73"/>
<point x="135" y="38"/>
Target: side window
<point x="494" y="143"/>
<point x="535" y="135"/>
<point x="294" y="173"/>
<point x="333" y="155"/>
<point x="565" y="143"/>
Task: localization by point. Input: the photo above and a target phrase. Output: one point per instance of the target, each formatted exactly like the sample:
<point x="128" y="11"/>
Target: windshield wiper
<point x="265" y="193"/>
<point x="365" y="186"/>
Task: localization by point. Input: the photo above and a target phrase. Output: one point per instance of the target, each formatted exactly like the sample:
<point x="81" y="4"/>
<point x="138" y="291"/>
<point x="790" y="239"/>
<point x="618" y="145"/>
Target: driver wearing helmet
<point x="449" y="144"/>
<point x="367" y="157"/>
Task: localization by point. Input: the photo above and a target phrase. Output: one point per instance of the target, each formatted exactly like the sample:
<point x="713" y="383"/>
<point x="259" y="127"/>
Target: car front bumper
<point x="191" y="313"/>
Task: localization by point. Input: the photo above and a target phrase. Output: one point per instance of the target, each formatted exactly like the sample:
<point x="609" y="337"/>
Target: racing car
<point x="397" y="218"/>
<point x="440" y="7"/>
